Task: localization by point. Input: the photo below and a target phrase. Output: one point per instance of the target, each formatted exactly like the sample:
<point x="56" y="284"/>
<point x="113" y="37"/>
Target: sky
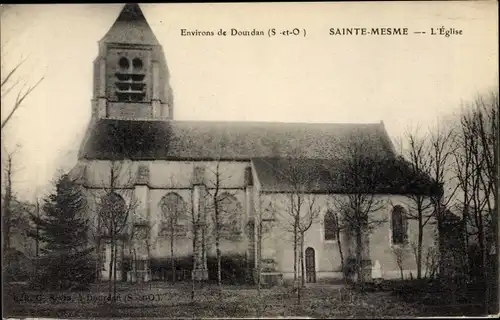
<point x="400" y="80"/>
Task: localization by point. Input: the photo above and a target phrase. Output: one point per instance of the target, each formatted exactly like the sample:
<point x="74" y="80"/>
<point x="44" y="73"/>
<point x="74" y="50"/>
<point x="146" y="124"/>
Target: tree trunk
<point x="302" y="281"/>
<point x="195" y="236"/>
<point x="484" y="264"/>
<point x="98" y="262"/>
<point x="299" y="293"/>
<point x="134" y="265"/>
<point x="419" y="247"/>
<point x="203" y="253"/>
<point x="37" y="236"/>
<point x="115" y="263"/>
<point x="295" y="253"/>
<point x="7" y="214"/>
<point x="219" y="273"/>
<point x="192" y="286"/>
<point x="420" y="217"/>
<point x="341" y="254"/>
<point x="110" y="273"/>
<point x="37" y="240"/>
<point x="258" y="262"/>
<point x="359" y="258"/>
<point x="172" y="257"/>
<point x="149" y="269"/>
<point x="259" y="257"/>
<point x="465" y="236"/>
<point x="299" y="285"/>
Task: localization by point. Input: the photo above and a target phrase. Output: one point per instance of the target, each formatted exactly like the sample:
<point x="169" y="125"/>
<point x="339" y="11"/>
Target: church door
<point x="310" y="265"/>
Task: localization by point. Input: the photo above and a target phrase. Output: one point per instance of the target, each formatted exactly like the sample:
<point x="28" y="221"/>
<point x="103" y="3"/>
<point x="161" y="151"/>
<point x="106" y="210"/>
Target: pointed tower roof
<point x="131" y="12"/>
<point x="131" y="27"/>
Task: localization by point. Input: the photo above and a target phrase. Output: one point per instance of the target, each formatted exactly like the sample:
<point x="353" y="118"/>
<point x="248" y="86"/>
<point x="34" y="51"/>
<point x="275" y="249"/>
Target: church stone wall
<point x="382" y="249"/>
<point x="98" y="173"/>
<point x="179" y="174"/>
<point x="171" y="177"/>
<point x="278" y="244"/>
<point x="165" y="174"/>
<point x="130" y="110"/>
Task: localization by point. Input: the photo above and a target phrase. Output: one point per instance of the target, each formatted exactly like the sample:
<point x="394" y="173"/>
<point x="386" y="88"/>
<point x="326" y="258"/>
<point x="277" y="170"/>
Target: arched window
<point x="330" y="225"/>
<point x="173" y="216"/>
<point x="230" y="214"/>
<point x="399" y="225"/>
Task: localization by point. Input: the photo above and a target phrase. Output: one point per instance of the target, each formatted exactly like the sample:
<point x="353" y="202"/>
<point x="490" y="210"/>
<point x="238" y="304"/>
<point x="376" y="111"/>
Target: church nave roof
<point x="210" y="140"/>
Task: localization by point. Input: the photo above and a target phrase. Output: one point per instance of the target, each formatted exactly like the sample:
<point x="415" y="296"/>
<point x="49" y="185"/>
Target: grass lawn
<point x="174" y="301"/>
<point x="237" y="301"/>
<point x="435" y="298"/>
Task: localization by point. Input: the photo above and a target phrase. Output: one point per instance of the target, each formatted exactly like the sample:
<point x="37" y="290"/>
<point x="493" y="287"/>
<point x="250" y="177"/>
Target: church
<point x="251" y="189"/>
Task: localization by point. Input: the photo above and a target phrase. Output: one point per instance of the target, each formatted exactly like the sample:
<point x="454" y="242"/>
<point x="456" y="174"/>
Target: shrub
<point x="233" y="269"/>
<point x="16" y="267"/>
<point x="50" y="274"/>
<point x="162" y="268"/>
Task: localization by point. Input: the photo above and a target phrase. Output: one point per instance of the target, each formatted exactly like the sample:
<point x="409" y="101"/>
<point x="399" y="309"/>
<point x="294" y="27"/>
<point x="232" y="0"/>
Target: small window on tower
<point x="137" y="63"/>
<point x="124" y="64"/>
<point x="130" y="85"/>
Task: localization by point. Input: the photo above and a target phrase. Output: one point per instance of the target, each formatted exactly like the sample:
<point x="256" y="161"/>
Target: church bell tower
<point x="131" y="77"/>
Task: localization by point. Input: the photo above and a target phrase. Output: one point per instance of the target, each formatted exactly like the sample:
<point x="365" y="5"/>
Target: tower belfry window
<point x="130" y="84"/>
<point x="137" y="63"/>
<point x="124" y="64"/>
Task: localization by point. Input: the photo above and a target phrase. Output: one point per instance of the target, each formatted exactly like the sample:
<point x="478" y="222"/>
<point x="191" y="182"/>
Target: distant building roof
<point x="372" y="175"/>
<point x="209" y="140"/>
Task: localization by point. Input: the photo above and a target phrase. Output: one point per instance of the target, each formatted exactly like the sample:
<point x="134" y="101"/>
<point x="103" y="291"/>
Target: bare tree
<point x="311" y="215"/>
<point x="400" y="255"/>
<point x="174" y="210"/>
<point x="221" y="211"/>
<point x="113" y="215"/>
<point x="216" y="203"/>
<point x="417" y="153"/>
<point x="464" y="172"/>
<point x="300" y="209"/>
<point x="14" y="83"/>
<point x="476" y="171"/>
<point x="338" y="231"/>
<point x="35" y="234"/>
<point x="8" y="198"/>
<point x="7" y="205"/>
<point x="197" y="216"/>
<point x="8" y="84"/>
<point x="357" y="200"/>
<point x="37" y="229"/>
<point x="441" y="150"/>
<point x="264" y="218"/>
<point x="431" y="262"/>
<point x="139" y="241"/>
<point x="426" y="154"/>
